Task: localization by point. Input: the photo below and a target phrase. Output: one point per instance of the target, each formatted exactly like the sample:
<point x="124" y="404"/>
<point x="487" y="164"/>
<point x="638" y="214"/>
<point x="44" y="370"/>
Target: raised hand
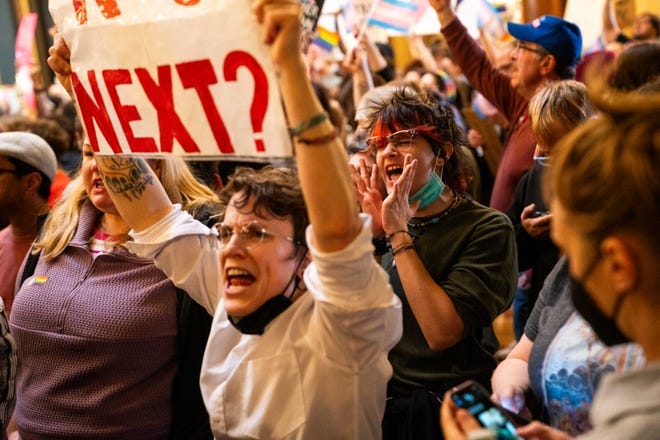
<point x="443" y="9"/>
<point x="59" y="60"/>
<point x="396" y="209"/>
<point x="281" y="20"/>
<point x="369" y="196"/>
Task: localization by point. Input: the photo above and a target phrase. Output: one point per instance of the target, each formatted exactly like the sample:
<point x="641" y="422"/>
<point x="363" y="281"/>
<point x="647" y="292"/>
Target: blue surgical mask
<point x="429" y="192"/>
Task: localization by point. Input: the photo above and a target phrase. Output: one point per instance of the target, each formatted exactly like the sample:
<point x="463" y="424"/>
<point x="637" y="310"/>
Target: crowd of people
<point x="348" y="294"/>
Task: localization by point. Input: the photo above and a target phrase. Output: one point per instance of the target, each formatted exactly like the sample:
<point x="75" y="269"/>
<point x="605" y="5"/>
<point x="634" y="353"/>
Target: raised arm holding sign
<point x="303" y="316"/>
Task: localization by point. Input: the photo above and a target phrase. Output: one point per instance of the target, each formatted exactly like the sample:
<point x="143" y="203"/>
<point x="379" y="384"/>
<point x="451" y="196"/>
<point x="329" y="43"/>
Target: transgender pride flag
<point x="397" y="15"/>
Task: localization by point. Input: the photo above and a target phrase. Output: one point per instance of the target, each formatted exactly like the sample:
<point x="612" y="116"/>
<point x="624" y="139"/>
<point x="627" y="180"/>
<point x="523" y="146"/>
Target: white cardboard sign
<point x="184" y="77"/>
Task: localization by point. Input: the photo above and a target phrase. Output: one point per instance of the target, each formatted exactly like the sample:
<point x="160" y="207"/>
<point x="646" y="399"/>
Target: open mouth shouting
<point x="237" y="278"/>
<point x="393" y="172"/>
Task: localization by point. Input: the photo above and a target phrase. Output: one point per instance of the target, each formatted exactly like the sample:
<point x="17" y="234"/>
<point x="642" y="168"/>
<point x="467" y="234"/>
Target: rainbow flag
<point x="397" y="15"/>
<point x="326" y="38"/>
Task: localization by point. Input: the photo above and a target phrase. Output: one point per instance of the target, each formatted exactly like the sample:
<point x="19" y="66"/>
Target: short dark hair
<point x="23" y="169"/>
<point x="276" y="193"/>
<point x="565" y="71"/>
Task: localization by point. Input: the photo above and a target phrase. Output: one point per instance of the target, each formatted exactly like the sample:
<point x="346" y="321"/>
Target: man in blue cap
<point x="547" y="50"/>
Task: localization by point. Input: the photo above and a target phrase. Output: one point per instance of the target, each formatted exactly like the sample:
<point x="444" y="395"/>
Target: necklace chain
<point x="436" y="218"/>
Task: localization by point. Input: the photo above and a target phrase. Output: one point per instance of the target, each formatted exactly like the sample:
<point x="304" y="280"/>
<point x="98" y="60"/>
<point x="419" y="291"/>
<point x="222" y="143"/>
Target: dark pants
<point x="523" y="304"/>
<point x="415" y="417"/>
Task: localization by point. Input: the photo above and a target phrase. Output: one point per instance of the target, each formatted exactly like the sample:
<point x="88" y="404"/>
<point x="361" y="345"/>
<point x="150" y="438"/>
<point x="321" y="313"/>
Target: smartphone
<point x="540" y="213"/>
<point x="473" y="397"/>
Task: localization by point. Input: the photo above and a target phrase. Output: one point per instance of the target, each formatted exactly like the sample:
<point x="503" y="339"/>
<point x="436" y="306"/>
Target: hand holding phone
<point x="540" y="214"/>
<point x="473" y="397"/>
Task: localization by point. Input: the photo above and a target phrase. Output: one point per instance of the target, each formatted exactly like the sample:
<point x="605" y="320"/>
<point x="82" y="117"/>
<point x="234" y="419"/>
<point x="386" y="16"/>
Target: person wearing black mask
<point x="303" y="315"/>
<point x="604" y="193"/>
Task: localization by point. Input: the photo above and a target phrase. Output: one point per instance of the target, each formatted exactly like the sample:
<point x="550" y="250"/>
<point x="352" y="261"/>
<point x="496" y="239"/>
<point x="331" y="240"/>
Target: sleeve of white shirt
<point x="187" y="251"/>
<point x="349" y="278"/>
<point x="357" y="316"/>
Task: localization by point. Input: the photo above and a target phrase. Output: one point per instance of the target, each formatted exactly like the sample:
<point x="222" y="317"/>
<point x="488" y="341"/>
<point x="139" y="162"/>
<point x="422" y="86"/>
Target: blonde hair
<point x="557" y="108"/>
<point x="605" y="173"/>
<point x="62" y="222"/>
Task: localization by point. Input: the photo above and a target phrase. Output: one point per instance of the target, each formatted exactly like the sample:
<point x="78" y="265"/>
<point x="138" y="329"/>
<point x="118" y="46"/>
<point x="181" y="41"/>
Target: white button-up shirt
<point x="320" y="369"/>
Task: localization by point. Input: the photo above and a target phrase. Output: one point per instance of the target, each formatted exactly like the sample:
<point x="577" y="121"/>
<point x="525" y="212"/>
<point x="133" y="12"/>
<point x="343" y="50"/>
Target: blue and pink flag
<point x="397" y="15"/>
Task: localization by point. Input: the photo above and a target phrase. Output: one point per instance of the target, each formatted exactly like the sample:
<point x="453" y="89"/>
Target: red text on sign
<point x="198" y="75"/>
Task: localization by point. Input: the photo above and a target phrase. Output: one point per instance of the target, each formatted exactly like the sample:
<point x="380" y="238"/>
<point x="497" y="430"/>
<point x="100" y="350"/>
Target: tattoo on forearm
<point x="127" y="176"/>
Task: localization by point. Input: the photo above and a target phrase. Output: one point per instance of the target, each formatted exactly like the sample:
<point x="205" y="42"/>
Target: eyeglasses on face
<point x="523" y="46"/>
<point x="401" y="140"/>
<point x="249" y="233"/>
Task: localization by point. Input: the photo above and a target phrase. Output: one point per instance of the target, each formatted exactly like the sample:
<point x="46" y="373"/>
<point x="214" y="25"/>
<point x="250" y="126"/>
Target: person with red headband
<point x="452" y="261"/>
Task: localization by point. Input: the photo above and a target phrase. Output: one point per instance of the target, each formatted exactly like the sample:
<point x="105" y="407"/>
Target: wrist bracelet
<point x="307" y="124"/>
<point x="403" y="247"/>
<point x="388" y="237"/>
<point x="319" y="140"/>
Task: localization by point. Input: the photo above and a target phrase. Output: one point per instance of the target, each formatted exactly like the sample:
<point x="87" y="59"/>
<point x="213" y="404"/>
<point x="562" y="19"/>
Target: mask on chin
<point x="429" y="192"/>
<point x="255" y="323"/>
<point x="604" y="327"/>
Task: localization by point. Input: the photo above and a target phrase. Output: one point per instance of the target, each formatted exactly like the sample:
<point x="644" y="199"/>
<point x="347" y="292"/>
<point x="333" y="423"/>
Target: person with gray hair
<point x="547" y="49"/>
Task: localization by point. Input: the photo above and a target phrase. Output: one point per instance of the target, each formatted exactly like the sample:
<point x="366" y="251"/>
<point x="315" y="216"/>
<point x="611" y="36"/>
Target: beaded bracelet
<point x="388" y="237"/>
<point x="403" y="247"/>
<point x="307" y="124"/>
<point x="319" y="140"/>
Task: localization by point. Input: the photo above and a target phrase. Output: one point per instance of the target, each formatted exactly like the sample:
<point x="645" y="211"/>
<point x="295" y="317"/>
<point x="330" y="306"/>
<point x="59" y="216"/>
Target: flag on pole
<point x="481" y="14"/>
<point x="397" y="15"/>
<point x="488" y="19"/>
<point x="326" y="38"/>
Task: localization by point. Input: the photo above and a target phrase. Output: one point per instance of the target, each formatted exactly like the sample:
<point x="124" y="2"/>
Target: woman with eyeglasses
<point x="604" y="191"/>
<point x="452" y="261"/>
<point x="303" y="315"/>
<point x="554" y="110"/>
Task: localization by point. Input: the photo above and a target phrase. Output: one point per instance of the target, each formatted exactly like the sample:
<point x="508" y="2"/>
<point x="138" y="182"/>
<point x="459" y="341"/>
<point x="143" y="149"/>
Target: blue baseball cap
<point x="559" y="37"/>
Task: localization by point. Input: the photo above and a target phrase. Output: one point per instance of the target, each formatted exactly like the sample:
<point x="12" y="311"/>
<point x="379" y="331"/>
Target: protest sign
<point x="182" y="77"/>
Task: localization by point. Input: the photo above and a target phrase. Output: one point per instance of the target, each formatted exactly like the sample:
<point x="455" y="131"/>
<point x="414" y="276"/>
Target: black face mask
<point x="604" y="327"/>
<point x="255" y="323"/>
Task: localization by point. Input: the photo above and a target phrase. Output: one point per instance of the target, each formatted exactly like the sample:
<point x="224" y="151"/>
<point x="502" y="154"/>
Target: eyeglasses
<point x="523" y="46"/>
<point x="3" y="171"/>
<point x="250" y="234"/>
<point x="401" y="140"/>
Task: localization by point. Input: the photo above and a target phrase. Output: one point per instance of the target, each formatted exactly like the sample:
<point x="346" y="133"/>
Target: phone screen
<point x="473" y="398"/>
